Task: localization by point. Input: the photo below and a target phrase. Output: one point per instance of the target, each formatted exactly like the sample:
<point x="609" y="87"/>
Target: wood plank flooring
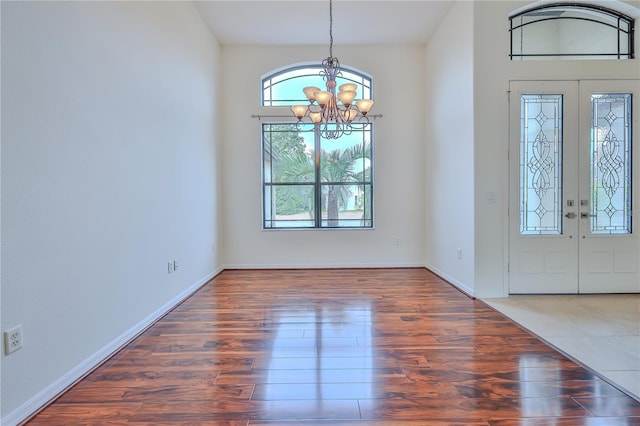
<point x="333" y="347"/>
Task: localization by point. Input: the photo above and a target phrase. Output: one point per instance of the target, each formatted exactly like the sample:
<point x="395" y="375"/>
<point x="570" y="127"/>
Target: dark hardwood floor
<point x="329" y="347"/>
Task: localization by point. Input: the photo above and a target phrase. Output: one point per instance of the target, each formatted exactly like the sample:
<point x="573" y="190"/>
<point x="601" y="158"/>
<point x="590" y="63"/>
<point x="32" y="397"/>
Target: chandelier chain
<point x="331" y="28"/>
<point x="333" y="113"/>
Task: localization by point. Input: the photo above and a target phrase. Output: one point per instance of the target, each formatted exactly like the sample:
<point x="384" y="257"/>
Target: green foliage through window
<point x="303" y="171"/>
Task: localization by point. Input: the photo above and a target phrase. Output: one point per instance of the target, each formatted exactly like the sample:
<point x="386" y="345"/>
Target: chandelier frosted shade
<point x="334" y="112"/>
<point x="316" y="117"/>
<point x="322" y="97"/>
<point x="299" y="111"/>
<point x="350" y="115"/>
<point x="364" y="105"/>
<point x="310" y="92"/>
<point x="347" y="96"/>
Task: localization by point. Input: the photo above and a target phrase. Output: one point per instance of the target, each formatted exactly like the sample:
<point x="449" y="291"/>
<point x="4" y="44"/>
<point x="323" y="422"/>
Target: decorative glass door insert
<point x="611" y="179"/>
<point x="541" y="164"/>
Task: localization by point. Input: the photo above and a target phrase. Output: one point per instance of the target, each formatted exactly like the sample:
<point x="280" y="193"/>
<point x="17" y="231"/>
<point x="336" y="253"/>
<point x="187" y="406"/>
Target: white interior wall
<point x="492" y="72"/>
<point x="398" y="75"/>
<point x="1" y="328"/>
<point x="449" y="149"/>
<point x="109" y="171"/>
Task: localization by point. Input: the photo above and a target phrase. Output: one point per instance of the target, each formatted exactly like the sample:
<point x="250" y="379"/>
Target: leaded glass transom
<point x="571" y="31"/>
<point x="610" y="163"/>
<point x="541" y="164"/>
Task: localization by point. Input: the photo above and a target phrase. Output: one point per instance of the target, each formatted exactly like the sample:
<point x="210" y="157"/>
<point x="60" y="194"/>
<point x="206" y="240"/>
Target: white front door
<point x="573" y="168"/>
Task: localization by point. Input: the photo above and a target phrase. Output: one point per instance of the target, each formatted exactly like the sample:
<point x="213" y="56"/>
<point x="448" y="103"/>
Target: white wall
<point x="1" y="328"/>
<point x="109" y="170"/>
<point x="492" y="72"/>
<point x="398" y="78"/>
<point x="449" y="149"/>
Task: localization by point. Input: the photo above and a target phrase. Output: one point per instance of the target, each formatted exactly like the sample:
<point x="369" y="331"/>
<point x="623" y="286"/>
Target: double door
<point x="573" y="169"/>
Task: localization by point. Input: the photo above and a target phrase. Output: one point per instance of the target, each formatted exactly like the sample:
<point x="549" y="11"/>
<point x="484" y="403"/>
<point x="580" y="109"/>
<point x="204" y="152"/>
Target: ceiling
<point x="306" y="22"/>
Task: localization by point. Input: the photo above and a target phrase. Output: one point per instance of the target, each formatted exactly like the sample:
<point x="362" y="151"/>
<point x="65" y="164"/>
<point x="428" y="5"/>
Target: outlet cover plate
<point x="13" y="339"/>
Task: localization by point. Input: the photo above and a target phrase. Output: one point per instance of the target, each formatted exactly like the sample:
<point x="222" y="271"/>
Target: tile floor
<point x="600" y="331"/>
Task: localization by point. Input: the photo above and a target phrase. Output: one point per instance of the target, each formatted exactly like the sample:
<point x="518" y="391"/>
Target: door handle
<point x="570" y="215"/>
<point x="584" y="215"/>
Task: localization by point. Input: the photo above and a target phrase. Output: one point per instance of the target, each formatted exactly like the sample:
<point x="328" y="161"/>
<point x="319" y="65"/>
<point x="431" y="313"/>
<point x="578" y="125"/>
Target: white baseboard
<point x="52" y="391"/>
<point x="326" y="266"/>
<point x="461" y="286"/>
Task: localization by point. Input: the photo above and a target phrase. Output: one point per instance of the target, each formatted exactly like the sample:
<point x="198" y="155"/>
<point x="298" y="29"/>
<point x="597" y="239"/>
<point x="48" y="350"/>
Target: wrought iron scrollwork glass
<point x="610" y="163"/>
<point x="541" y="164"/>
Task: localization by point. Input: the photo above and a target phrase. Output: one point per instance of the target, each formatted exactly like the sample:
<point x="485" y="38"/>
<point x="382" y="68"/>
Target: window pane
<point x="289" y="92"/>
<point x="571" y="32"/>
<point x="345" y="170"/>
<point x="347" y="159"/>
<point x="288" y="153"/>
<point x="611" y="164"/>
<point x="550" y="37"/>
<point x="541" y="165"/>
<point x="346" y="206"/>
<point x="289" y="206"/>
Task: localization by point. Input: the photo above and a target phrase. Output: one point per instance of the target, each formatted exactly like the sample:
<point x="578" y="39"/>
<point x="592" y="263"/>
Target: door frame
<point x="578" y="100"/>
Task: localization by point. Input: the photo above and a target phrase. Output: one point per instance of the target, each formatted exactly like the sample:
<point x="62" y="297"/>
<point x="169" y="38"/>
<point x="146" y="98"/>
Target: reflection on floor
<point x="375" y="347"/>
<point x="600" y="331"/>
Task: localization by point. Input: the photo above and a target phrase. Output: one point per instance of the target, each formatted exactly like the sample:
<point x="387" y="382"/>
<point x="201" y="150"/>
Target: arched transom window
<point x="284" y="87"/>
<point x="571" y="31"/>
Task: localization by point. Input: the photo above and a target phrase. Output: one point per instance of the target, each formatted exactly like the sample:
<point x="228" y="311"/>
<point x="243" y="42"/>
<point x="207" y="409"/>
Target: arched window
<point x="284" y="87"/>
<point x="571" y="31"/>
<point x="309" y="181"/>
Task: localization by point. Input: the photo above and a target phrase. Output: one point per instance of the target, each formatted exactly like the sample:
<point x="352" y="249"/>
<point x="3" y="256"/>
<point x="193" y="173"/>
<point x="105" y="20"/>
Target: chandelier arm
<point x="261" y="116"/>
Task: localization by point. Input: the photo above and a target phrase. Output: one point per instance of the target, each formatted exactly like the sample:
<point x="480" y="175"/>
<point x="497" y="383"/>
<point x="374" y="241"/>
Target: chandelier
<point x="335" y="113"/>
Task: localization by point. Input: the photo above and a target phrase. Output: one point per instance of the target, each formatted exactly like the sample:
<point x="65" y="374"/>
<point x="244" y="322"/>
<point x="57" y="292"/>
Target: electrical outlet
<point x="13" y="339"/>
<point x="170" y="267"/>
<point x="175" y="265"/>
